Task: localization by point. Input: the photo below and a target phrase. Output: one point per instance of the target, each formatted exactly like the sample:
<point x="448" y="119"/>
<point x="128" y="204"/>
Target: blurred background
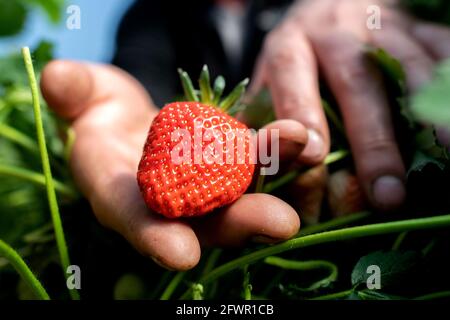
<point x="111" y="269"/>
<point x="27" y="22"/>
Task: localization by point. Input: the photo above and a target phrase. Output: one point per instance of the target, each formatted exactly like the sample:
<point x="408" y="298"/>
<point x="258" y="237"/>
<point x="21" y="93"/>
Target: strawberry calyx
<point x="213" y="95"/>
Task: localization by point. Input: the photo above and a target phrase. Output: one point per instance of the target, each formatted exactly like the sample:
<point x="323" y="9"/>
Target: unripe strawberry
<point x="345" y="194"/>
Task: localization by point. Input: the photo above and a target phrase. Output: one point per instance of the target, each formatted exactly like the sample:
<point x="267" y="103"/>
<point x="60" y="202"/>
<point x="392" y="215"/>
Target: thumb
<point x="67" y="87"/>
<point x="71" y="87"/>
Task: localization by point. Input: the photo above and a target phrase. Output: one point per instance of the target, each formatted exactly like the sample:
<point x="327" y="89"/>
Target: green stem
<point x="21" y="267"/>
<point x="434" y="295"/>
<point x="307" y="266"/>
<point x="429" y="247"/>
<point x="18" y="96"/>
<point x="398" y="241"/>
<point x="292" y="175"/>
<point x="336" y="295"/>
<point x="282" y="181"/>
<point x="18" y="137"/>
<point x="172" y="286"/>
<point x="332" y="115"/>
<point x="327" y="237"/>
<point x="303" y="265"/>
<point x="51" y="194"/>
<point x="37" y="178"/>
<point x="334" y="223"/>
<point x="336" y="156"/>
<point x="160" y="285"/>
<point x="69" y="143"/>
<point x="273" y="282"/>
<point x="212" y="260"/>
<point x="260" y="183"/>
<point x="246" y="286"/>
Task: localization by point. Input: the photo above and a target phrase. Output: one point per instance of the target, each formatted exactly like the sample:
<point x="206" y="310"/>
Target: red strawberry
<point x="196" y="185"/>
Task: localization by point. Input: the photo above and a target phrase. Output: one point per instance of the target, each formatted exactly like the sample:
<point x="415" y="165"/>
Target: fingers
<point x="415" y="60"/>
<point x="435" y="38"/>
<point x="293" y="137"/>
<point x="72" y="87"/>
<point x="170" y="243"/>
<point x="291" y="75"/>
<point x="307" y="193"/>
<point x="367" y="119"/>
<point x="258" y="217"/>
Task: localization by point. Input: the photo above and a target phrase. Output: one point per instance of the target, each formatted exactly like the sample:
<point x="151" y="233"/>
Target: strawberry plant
<point x="328" y="259"/>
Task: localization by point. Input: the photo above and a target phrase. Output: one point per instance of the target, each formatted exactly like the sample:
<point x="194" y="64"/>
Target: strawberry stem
<point x="205" y="86"/>
<point x="49" y="182"/>
<point x="234" y="96"/>
<point x="188" y="87"/>
<point x="22" y="268"/>
<point x="351" y="233"/>
<point x="219" y="86"/>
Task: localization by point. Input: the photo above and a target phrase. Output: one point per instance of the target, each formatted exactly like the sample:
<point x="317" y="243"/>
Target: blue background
<point x="94" y="41"/>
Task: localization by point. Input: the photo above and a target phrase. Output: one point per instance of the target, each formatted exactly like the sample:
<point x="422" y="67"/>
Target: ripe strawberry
<point x="196" y="185"/>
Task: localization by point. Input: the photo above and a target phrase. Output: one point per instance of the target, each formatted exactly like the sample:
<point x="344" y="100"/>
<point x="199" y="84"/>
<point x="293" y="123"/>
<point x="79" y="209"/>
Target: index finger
<point x="292" y="77"/>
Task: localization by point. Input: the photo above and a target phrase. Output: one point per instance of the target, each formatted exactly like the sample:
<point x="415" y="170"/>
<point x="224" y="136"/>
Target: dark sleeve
<point x="145" y="49"/>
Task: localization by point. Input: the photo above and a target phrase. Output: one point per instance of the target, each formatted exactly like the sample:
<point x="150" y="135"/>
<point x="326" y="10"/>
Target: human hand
<point x="332" y="34"/>
<point x="111" y="114"/>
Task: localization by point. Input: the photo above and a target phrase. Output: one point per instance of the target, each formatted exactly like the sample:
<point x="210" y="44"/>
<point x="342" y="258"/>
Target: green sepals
<point x="206" y="91"/>
<point x="230" y="104"/>
<point x="236" y="109"/>
<point x="219" y="86"/>
<point x="188" y="87"/>
<point x="234" y="96"/>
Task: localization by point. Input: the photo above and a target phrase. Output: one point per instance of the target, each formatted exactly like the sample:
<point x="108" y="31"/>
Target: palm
<point x="111" y="123"/>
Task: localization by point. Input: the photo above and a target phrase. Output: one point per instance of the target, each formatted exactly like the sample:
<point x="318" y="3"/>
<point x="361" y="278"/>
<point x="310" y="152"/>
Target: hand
<point x="332" y="34"/>
<point x="111" y="114"/>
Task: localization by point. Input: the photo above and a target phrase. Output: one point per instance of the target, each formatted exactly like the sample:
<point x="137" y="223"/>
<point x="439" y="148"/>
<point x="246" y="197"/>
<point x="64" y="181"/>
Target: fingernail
<point x="389" y="192"/>
<point x="161" y="264"/>
<point x="443" y="136"/>
<point x="315" y="147"/>
<point x="263" y="239"/>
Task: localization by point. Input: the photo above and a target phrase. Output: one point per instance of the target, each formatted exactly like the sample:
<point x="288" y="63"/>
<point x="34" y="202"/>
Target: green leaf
<point x="421" y="160"/>
<point x="394" y="267"/>
<point x="395" y="76"/>
<point x="13" y="72"/>
<point x="12" y="17"/>
<point x="53" y="8"/>
<point x="391" y="66"/>
<point x="431" y="103"/>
